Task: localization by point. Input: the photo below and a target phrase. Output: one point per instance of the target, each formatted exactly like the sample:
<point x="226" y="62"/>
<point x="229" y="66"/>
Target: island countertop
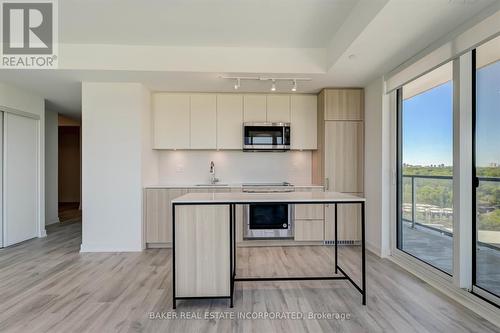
<point x="285" y="197"/>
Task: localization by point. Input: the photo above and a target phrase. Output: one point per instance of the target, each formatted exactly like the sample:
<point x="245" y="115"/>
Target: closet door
<point x="20" y="215"/>
<point x="1" y="180"/>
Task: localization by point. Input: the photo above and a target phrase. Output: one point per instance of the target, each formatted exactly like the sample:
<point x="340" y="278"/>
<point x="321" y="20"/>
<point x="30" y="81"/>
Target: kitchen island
<point x="204" y="246"/>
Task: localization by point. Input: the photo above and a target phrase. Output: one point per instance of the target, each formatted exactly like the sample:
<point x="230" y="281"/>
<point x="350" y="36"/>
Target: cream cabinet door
<point x="171" y="125"/>
<point x="349" y="225"/>
<point x="203" y="121"/>
<point x="254" y="108"/>
<point x="229" y="121"/>
<point x="343" y="104"/>
<point x="303" y="119"/>
<point x="278" y="108"/>
<point x="344" y="156"/>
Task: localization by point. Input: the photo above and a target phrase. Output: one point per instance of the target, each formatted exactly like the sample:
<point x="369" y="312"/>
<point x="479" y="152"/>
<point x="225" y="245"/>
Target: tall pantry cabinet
<point x="338" y="163"/>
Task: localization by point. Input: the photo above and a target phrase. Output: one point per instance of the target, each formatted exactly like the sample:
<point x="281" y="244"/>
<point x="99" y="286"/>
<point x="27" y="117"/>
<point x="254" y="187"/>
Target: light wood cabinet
<point x="343" y="104"/>
<point x="309" y="219"/>
<point x="202" y="261"/>
<point x="303" y="118"/>
<point x="349" y="225"/>
<point x="278" y="108"/>
<point x="215" y="121"/>
<point x="338" y="163"/>
<point x="229" y="121"/>
<point x="309" y="211"/>
<point x="171" y="121"/>
<point x="203" y="121"/>
<point x="309" y="230"/>
<point x="158" y="214"/>
<point x="254" y="108"/>
<point x="344" y="156"/>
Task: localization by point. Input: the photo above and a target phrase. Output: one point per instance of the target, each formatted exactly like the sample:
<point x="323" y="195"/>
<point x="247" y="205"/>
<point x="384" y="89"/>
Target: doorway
<point x="69" y="170"/>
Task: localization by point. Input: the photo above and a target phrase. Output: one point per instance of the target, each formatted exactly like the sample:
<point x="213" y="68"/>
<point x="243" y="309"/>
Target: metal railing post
<point x="413" y="202"/>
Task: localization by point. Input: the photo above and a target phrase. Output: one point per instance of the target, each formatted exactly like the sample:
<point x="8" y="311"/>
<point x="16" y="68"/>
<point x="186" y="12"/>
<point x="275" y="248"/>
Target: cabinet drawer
<point x="349" y="225"/>
<point x="309" y="212"/>
<point x="309" y="230"/>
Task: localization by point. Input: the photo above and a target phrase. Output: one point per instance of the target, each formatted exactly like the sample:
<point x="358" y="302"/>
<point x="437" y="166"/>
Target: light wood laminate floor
<point x="46" y="285"/>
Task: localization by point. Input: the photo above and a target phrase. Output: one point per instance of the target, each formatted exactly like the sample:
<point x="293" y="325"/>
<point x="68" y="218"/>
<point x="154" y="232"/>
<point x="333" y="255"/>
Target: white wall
<point x="192" y="167"/>
<point x="112" y="166"/>
<point x="377" y="168"/>
<point x="19" y="101"/>
<point x="51" y="167"/>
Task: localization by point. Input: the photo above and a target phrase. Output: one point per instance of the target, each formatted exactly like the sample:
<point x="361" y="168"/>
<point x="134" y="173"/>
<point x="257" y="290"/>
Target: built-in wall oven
<point x="266" y="136"/>
<point x="268" y="220"/>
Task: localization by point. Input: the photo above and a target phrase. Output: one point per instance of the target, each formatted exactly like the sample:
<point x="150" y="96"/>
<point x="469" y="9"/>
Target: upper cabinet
<point x="215" y="121"/>
<point x="171" y="121"/>
<point x="343" y="104"/>
<point x="278" y="108"/>
<point x="254" y="108"/>
<point x="229" y="121"/>
<point x="303" y="118"/>
<point x="203" y="121"/>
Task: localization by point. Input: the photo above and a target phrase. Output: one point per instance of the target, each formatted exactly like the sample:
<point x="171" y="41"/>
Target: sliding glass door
<point x="486" y="187"/>
<point x="425" y="168"/>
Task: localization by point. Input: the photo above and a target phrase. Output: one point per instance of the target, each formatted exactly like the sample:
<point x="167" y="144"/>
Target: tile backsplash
<point x="192" y="167"/>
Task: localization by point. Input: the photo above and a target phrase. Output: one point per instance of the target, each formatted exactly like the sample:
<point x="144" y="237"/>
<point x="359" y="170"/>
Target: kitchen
<point x="275" y="134"/>
<point x="260" y="166"/>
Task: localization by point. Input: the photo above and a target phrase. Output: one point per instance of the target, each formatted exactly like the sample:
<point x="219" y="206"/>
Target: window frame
<point x="398" y="184"/>
<point x="476" y="290"/>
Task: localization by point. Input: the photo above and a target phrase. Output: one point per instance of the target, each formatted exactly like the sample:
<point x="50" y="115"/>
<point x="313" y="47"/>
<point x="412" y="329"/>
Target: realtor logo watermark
<point x="29" y="34"/>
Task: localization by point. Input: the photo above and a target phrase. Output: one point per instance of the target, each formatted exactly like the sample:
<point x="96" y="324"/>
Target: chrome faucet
<point x="213" y="180"/>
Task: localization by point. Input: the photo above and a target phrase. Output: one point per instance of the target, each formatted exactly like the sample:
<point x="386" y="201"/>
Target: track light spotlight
<point x="294" y="87"/>
<point x="273" y="86"/>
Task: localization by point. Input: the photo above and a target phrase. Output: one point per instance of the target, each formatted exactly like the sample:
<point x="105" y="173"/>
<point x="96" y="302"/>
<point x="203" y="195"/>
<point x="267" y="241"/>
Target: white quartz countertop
<point x="219" y="186"/>
<point x="285" y="197"/>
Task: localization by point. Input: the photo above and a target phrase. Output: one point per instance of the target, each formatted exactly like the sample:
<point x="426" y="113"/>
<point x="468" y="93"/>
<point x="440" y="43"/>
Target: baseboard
<point x="166" y="245"/>
<point x="374" y="249"/>
<point x="53" y="221"/>
<point x="93" y="248"/>
<point x="443" y="285"/>
<point x="43" y="233"/>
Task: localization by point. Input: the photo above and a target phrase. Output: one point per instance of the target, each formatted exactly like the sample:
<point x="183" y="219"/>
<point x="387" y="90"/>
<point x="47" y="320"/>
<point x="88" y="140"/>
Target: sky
<point x="427" y="127"/>
<point x="428" y="122"/>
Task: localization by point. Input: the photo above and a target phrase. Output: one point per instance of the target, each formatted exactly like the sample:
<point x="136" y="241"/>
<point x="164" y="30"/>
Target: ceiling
<point x="334" y="42"/>
<point x="254" y="23"/>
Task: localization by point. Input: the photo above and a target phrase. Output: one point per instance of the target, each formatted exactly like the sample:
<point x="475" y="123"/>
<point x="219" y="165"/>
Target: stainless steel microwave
<point x="266" y="136"/>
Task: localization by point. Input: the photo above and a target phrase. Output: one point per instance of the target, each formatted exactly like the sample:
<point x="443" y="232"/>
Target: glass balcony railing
<point x="428" y="203"/>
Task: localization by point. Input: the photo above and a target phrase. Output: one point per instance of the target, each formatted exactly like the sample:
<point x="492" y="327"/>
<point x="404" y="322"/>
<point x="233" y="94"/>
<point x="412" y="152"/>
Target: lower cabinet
<point x="349" y="224"/>
<point x="311" y="222"/>
<point x="158" y="212"/>
<point x="309" y="230"/>
<point x="309" y="219"/>
<point x="202" y="259"/>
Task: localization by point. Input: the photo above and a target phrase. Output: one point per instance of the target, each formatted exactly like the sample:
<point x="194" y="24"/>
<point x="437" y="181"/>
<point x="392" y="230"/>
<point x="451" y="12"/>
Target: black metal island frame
<point x="219" y="209"/>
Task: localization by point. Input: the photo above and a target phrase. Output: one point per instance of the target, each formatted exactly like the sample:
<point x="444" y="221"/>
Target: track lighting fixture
<point x="238" y="79"/>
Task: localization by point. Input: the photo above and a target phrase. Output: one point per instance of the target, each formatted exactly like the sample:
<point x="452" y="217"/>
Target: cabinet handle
<point x="327" y="183"/>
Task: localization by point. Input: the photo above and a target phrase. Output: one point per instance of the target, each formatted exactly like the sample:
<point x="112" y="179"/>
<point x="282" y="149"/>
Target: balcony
<point x="427" y="230"/>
